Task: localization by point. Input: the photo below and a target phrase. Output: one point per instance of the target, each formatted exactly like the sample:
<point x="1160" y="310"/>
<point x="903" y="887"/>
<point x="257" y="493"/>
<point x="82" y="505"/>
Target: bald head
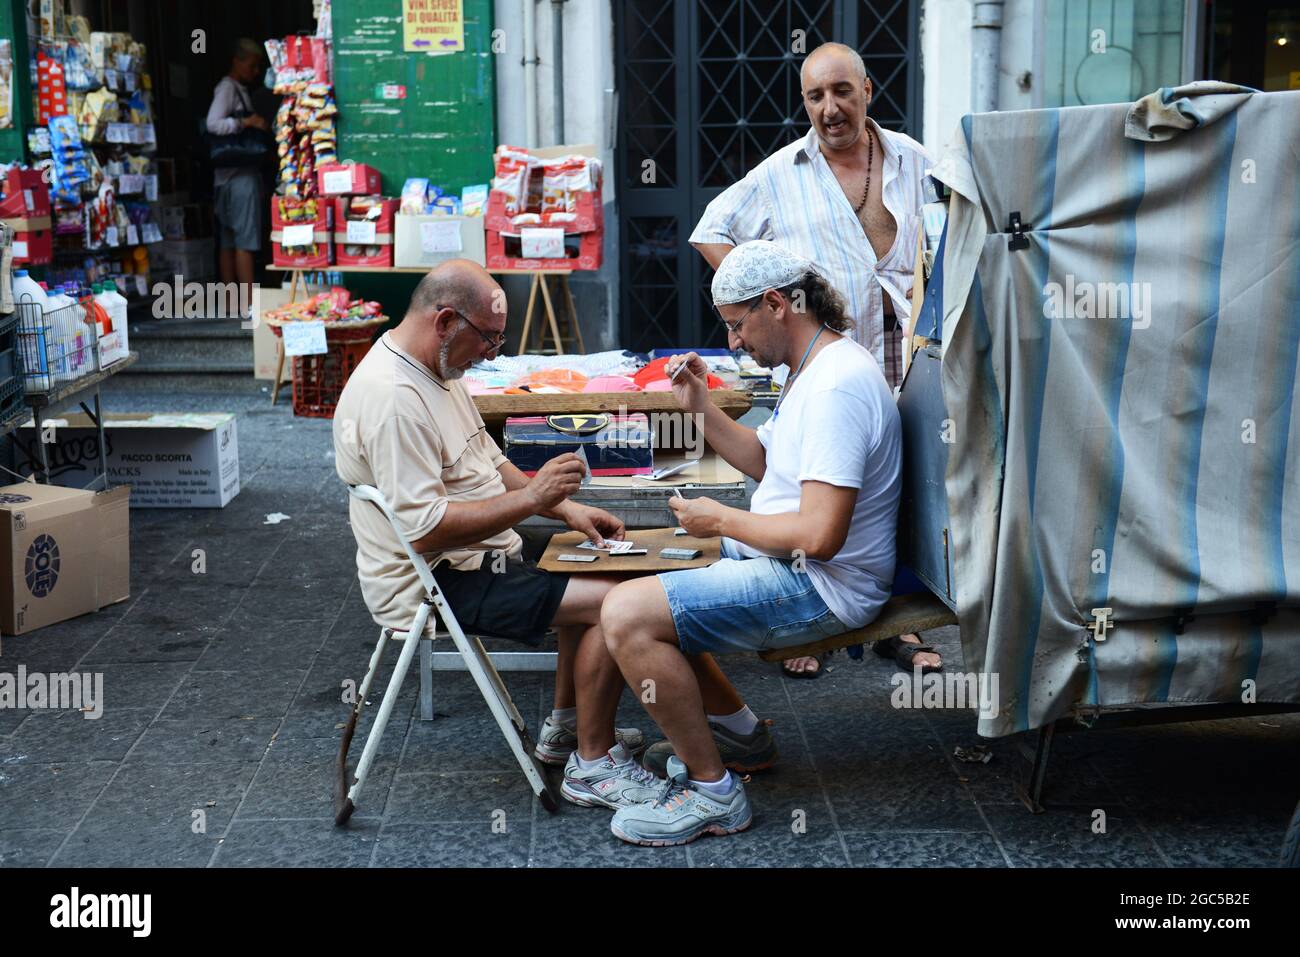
<point x="463" y="285"/>
<point x="837" y="54"/>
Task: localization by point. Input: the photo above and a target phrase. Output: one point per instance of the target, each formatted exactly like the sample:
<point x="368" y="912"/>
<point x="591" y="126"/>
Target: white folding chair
<point x="477" y="663"/>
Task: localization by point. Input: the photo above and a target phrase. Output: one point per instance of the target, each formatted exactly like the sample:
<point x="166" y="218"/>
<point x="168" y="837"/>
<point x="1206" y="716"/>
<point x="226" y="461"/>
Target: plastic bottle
<point x="81" y="332"/>
<point x="59" y="337"/>
<point x="117" y="310"/>
<point x="32" y="305"/>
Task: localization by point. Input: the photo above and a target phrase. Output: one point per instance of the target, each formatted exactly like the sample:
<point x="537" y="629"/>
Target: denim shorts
<point x="747" y="604"/>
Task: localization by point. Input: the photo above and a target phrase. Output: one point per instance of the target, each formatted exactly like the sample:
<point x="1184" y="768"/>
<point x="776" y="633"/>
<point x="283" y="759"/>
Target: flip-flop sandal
<point x="903" y="652"/>
<point x="807" y="675"/>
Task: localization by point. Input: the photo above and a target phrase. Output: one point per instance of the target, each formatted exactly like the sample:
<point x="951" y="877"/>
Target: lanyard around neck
<point x="785" y="388"/>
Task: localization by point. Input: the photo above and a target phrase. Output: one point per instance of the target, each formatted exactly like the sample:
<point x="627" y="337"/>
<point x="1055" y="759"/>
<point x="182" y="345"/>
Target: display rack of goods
<point x="544" y="210"/>
<point x="349" y="327"/>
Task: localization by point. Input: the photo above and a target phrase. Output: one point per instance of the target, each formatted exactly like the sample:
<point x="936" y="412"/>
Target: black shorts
<point x="519" y="602"/>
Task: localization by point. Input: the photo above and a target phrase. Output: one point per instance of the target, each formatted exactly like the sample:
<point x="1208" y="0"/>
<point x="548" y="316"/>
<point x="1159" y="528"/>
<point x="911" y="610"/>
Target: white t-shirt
<point x="838" y="424"/>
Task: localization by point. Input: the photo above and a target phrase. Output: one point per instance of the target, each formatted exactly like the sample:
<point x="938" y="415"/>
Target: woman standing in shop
<point x="237" y="187"/>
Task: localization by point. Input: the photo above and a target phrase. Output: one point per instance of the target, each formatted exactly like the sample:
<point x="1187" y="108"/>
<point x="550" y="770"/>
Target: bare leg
<point x="244" y="266"/>
<point x="567" y="639"/>
<point x="226" y="265"/>
<point x="586" y="669"/>
<point x="640" y="634"/>
<point x="719" y="694"/>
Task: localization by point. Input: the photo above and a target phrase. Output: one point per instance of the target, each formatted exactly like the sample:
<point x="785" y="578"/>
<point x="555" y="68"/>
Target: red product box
<point x="587" y="250"/>
<point x="588" y="217"/>
<point x="347" y="179"/>
<point x="33" y="241"/>
<point x="374" y="235"/>
<point x="296" y="254"/>
<point x="23" y="193"/>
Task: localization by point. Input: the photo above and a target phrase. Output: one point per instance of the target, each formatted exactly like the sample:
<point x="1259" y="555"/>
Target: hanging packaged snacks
<point x="52" y="92"/>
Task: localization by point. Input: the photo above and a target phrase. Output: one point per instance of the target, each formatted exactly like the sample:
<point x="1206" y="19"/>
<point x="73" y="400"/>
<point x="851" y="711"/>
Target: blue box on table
<point x="613" y="444"/>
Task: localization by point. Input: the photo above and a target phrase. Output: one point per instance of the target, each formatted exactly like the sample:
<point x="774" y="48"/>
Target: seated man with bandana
<point x="814" y="556"/>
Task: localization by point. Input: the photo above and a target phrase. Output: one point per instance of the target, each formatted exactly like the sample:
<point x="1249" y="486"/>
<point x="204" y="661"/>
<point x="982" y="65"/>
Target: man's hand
<point x="256" y="121"/>
<point x="701" y="517"/>
<point x="555" y="481"/>
<point x="691" y="388"/>
<point x="596" y="523"/>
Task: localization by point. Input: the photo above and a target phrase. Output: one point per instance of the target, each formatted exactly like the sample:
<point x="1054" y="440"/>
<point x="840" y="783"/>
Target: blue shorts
<point x="747" y="604"/>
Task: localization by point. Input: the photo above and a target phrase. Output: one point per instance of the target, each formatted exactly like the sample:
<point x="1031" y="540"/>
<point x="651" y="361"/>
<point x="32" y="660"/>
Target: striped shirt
<point x="793" y="198"/>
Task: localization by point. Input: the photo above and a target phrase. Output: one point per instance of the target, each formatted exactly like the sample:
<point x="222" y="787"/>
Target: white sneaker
<point x="616" y="782"/>
<point x="556" y="742"/>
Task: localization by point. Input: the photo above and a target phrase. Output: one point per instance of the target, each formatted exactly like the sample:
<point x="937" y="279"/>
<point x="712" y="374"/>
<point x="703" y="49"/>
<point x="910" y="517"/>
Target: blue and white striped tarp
<point x="1123" y="401"/>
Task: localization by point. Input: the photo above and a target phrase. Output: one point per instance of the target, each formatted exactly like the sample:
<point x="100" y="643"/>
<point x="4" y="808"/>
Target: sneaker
<point x="755" y="751"/>
<point x="557" y="742"/>
<point x="679" y="814"/>
<point x="617" y="781"/>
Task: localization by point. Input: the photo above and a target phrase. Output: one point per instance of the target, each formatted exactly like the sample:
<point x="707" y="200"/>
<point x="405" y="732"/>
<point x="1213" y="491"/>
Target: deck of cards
<point x="614" y="548"/>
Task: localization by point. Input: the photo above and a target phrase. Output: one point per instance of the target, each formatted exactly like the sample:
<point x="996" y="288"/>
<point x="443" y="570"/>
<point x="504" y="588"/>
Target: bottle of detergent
<point x="116" y="306"/>
<point x="32" y="304"/>
<point x="59" y="341"/>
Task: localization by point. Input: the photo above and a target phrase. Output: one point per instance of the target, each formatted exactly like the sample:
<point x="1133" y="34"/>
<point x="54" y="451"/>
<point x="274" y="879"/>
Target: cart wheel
<point x="1291" y="843"/>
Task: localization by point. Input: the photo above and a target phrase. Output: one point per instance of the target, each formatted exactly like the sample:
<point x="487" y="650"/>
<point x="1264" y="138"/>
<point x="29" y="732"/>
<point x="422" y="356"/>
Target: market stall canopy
<point x="1121" y="317"/>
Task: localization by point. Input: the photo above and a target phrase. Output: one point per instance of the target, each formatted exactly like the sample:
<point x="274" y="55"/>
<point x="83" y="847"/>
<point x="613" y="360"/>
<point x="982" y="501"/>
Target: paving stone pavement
<point x="223" y="705"/>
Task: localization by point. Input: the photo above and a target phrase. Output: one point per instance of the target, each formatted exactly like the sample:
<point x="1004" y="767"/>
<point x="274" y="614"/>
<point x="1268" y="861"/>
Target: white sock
<point x="719" y="787"/>
<point x="568" y="717"/>
<point x="618" y="754"/>
<point x="743" y="722"/>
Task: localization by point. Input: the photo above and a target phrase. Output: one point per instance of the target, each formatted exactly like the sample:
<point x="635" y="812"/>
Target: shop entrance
<point x="707" y="89"/>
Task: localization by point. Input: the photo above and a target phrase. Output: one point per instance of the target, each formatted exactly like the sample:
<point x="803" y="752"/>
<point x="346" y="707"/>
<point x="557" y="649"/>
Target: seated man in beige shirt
<point x="405" y="425"/>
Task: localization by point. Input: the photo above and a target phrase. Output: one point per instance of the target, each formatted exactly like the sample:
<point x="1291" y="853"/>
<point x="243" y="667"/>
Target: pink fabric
<point x="659" y="385"/>
<point x="611" y="383"/>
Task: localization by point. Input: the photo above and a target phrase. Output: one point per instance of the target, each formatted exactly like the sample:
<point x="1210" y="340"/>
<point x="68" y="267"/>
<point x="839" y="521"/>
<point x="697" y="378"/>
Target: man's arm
<point x="736" y="443"/>
<point x="817" y="531"/>
<point x="713" y="253"/>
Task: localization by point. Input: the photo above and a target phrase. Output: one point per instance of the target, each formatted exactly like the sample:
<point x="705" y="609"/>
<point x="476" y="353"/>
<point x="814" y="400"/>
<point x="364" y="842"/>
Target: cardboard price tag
<point x="119" y="133"/>
<point x="110" y="236"/>
<point x="361" y="232"/>
<point x="304" y="338"/>
<point x="544" y="243"/>
<point x="130" y="183"/>
<point x="300" y="234"/>
<point x="132" y="235"/>
<point x="338" y="181"/>
<point x="438" y="237"/>
<point x="149" y="232"/>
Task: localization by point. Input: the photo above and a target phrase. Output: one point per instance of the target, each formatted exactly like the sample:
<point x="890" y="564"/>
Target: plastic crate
<point x="318" y="380"/>
<point x="11" y="395"/>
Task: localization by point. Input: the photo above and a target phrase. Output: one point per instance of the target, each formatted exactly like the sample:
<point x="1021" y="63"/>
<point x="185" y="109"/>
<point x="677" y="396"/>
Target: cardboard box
<point x="24" y="194"/>
<point x="583" y="251"/>
<point x="363" y="241"/>
<point x="33" y="243"/>
<point x="182" y="460"/>
<point x="265" y="351"/>
<point x="427" y="240"/>
<point x="347" y="179"/>
<point x="65" y="552"/>
<point x="305" y="243"/>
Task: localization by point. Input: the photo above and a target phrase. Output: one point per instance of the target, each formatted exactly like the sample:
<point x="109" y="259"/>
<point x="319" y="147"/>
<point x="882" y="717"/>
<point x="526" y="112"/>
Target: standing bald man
<point x="847" y="197"/>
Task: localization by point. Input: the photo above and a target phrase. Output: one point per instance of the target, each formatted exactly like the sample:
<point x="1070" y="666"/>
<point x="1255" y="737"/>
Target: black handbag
<point x="249" y="147"/>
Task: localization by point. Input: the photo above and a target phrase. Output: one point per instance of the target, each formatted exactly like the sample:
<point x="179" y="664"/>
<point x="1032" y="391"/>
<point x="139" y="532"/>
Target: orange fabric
<point x="565" y="380"/>
<point x="655" y="371"/>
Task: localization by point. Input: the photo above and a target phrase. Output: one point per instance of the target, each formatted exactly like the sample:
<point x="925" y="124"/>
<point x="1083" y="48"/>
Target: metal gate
<point x="707" y="89"/>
